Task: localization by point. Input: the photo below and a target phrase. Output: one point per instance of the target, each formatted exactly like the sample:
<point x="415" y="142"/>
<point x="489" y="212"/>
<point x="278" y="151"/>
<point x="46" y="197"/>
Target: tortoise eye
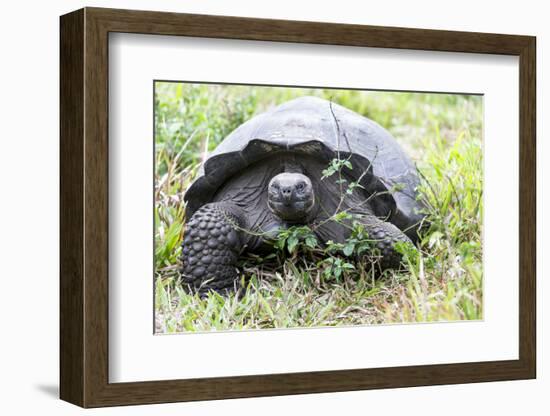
<point x="300" y="186"/>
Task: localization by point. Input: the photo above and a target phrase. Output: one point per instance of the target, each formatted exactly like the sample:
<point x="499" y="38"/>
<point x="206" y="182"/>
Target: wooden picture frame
<point x="84" y="207"/>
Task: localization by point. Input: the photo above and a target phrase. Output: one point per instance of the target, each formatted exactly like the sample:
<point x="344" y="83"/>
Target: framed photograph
<point x="255" y="207"/>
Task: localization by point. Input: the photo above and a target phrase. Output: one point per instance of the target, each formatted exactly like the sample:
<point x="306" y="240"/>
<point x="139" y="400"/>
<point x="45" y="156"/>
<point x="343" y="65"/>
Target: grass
<point x="442" y="281"/>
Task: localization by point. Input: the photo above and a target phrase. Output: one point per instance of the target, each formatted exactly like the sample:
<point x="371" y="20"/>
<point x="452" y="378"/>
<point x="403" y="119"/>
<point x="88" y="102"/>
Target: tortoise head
<point x="290" y="196"/>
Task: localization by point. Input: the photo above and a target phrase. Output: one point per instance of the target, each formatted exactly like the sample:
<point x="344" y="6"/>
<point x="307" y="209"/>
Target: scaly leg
<point x="384" y="235"/>
<point x="211" y="246"/>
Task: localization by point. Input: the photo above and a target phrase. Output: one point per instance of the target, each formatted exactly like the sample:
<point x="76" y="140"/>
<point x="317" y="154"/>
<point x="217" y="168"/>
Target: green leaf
<point x="292" y="242"/>
<point x="348" y="249"/>
<point x="397" y="187"/>
<point x="343" y="215"/>
<point x="348" y="266"/>
<point x="311" y="242"/>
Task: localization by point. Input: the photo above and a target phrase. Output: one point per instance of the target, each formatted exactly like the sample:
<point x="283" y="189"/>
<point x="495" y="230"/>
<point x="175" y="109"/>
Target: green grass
<point x="441" y="282"/>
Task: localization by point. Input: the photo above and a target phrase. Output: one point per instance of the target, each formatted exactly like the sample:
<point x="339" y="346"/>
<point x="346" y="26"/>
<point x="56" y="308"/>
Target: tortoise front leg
<point x="384" y="236"/>
<point x="211" y="247"/>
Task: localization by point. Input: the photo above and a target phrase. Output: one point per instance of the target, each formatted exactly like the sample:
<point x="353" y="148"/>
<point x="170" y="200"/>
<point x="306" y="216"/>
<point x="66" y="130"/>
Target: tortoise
<point x="270" y="174"/>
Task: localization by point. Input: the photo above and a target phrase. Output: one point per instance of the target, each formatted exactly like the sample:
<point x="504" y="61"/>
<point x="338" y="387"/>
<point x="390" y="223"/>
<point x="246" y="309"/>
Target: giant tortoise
<point x="272" y="172"/>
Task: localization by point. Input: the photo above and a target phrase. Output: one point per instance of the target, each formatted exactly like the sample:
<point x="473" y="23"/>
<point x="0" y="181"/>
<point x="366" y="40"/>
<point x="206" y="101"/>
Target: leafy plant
<point x="335" y="267"/>
<point x="336" y="165"/>
<point x="295" y="237"/>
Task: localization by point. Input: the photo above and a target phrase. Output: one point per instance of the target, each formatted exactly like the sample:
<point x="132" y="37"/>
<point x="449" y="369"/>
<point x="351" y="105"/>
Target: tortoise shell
<point x="316" y="127"/>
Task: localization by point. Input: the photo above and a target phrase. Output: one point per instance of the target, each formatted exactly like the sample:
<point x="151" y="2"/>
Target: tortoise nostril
<point x="286" y="190"/>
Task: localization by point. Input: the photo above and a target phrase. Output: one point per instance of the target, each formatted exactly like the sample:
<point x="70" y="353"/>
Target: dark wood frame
<point x="84" y="207"/>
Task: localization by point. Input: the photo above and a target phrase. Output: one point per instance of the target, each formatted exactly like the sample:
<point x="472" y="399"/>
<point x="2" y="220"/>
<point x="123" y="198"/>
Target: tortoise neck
<point x="292" y="165"/>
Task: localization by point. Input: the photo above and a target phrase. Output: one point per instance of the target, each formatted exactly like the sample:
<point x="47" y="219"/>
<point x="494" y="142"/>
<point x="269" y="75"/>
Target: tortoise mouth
<point x="291" y="210"/>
